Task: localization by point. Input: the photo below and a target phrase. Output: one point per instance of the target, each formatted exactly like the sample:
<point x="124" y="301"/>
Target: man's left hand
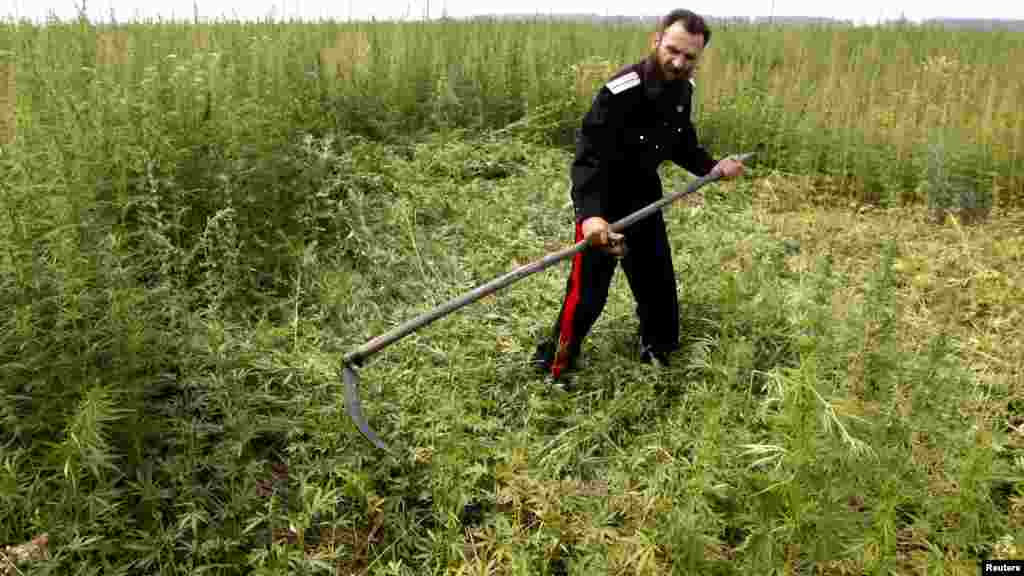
<point x="729" y="168"/>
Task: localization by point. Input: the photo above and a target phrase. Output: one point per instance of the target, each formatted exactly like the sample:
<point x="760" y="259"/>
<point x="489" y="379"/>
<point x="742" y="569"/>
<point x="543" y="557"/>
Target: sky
<point x="861" y="11"/>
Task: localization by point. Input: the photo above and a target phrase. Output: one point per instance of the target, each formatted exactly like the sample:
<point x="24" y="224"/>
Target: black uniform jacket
<point x="635" y="123"/>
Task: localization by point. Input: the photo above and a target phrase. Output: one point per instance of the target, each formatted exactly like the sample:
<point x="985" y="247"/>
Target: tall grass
<point x="858" y="106"/>
<point x="8" y="100"/>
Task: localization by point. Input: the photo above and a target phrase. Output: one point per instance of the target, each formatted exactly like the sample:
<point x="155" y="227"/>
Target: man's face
<point x="677" y="52"/>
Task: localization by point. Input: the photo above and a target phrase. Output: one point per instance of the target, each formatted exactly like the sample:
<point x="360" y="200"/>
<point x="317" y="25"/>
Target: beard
<point x="667" y="73"/>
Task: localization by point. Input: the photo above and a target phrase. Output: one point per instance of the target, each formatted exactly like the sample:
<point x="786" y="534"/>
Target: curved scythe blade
<point x="355" y="407"/>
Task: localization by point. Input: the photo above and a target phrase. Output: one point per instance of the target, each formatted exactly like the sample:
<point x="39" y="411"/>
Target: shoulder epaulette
<point x="624" y="82"/>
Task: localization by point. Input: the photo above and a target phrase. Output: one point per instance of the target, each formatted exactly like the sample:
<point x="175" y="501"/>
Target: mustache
<point x="675" y="71"/>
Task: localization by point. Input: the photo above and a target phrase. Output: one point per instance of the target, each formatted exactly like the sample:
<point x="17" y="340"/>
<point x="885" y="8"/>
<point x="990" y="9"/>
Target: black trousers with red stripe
<point x="652" y="279"/>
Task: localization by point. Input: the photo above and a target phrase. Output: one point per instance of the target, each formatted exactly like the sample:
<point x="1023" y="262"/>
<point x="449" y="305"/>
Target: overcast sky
<point x="867" y="11"/>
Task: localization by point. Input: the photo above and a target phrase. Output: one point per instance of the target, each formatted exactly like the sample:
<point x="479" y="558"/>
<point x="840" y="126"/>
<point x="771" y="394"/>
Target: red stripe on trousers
<point x="565" y="334"/>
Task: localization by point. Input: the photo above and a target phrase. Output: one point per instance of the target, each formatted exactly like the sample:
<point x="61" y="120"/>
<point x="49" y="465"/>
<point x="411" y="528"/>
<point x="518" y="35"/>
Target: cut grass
<point x="848" y="437"/>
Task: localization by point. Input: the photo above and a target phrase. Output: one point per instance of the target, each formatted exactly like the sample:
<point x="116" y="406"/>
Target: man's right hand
<point x="609" y="242"/>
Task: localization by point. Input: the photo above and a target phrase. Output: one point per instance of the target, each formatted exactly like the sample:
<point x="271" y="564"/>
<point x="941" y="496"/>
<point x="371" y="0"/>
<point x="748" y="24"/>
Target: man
<point x="640" y="118"/>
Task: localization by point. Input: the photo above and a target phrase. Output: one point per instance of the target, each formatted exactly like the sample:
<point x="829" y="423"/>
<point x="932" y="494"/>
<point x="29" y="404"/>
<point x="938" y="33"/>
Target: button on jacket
<point x="636" y="122"/>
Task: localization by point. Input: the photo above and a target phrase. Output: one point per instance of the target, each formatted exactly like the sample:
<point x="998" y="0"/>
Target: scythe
<point x="356" y="358"/>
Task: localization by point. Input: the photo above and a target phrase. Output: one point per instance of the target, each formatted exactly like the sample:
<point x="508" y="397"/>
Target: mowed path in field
<point x="849" y="374"/>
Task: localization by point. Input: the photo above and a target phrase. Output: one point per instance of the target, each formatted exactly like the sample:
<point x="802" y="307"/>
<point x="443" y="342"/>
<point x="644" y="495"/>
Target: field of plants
<point x="199" y="220"/>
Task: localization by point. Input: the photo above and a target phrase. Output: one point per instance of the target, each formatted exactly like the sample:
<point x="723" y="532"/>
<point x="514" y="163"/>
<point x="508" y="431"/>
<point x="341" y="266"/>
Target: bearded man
<point x="639" y="119"/>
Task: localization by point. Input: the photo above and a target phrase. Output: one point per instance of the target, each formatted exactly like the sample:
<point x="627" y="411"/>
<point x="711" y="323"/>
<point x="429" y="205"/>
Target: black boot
<point x="544" y="357"/>
<point x="649" y="356"/>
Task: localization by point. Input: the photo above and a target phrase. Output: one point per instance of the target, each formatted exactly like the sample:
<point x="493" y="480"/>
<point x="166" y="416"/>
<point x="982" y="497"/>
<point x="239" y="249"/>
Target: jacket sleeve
<point x="688" y="153"/>
<point x="595" y="154"/>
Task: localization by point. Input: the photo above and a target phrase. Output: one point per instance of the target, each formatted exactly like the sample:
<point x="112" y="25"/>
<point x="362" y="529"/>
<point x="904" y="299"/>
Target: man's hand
<point x="729" y="168"/>
<point x="609" y="242"/>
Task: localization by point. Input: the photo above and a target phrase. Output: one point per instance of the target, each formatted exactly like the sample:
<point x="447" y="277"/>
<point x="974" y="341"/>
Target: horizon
<point x="867" y="12"/>
<point x="175" y="17"/>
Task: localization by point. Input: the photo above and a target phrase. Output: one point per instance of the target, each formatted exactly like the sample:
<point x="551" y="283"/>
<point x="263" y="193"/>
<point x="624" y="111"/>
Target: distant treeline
<point x="979" y="23"/>
<point x="960" y="23"/>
